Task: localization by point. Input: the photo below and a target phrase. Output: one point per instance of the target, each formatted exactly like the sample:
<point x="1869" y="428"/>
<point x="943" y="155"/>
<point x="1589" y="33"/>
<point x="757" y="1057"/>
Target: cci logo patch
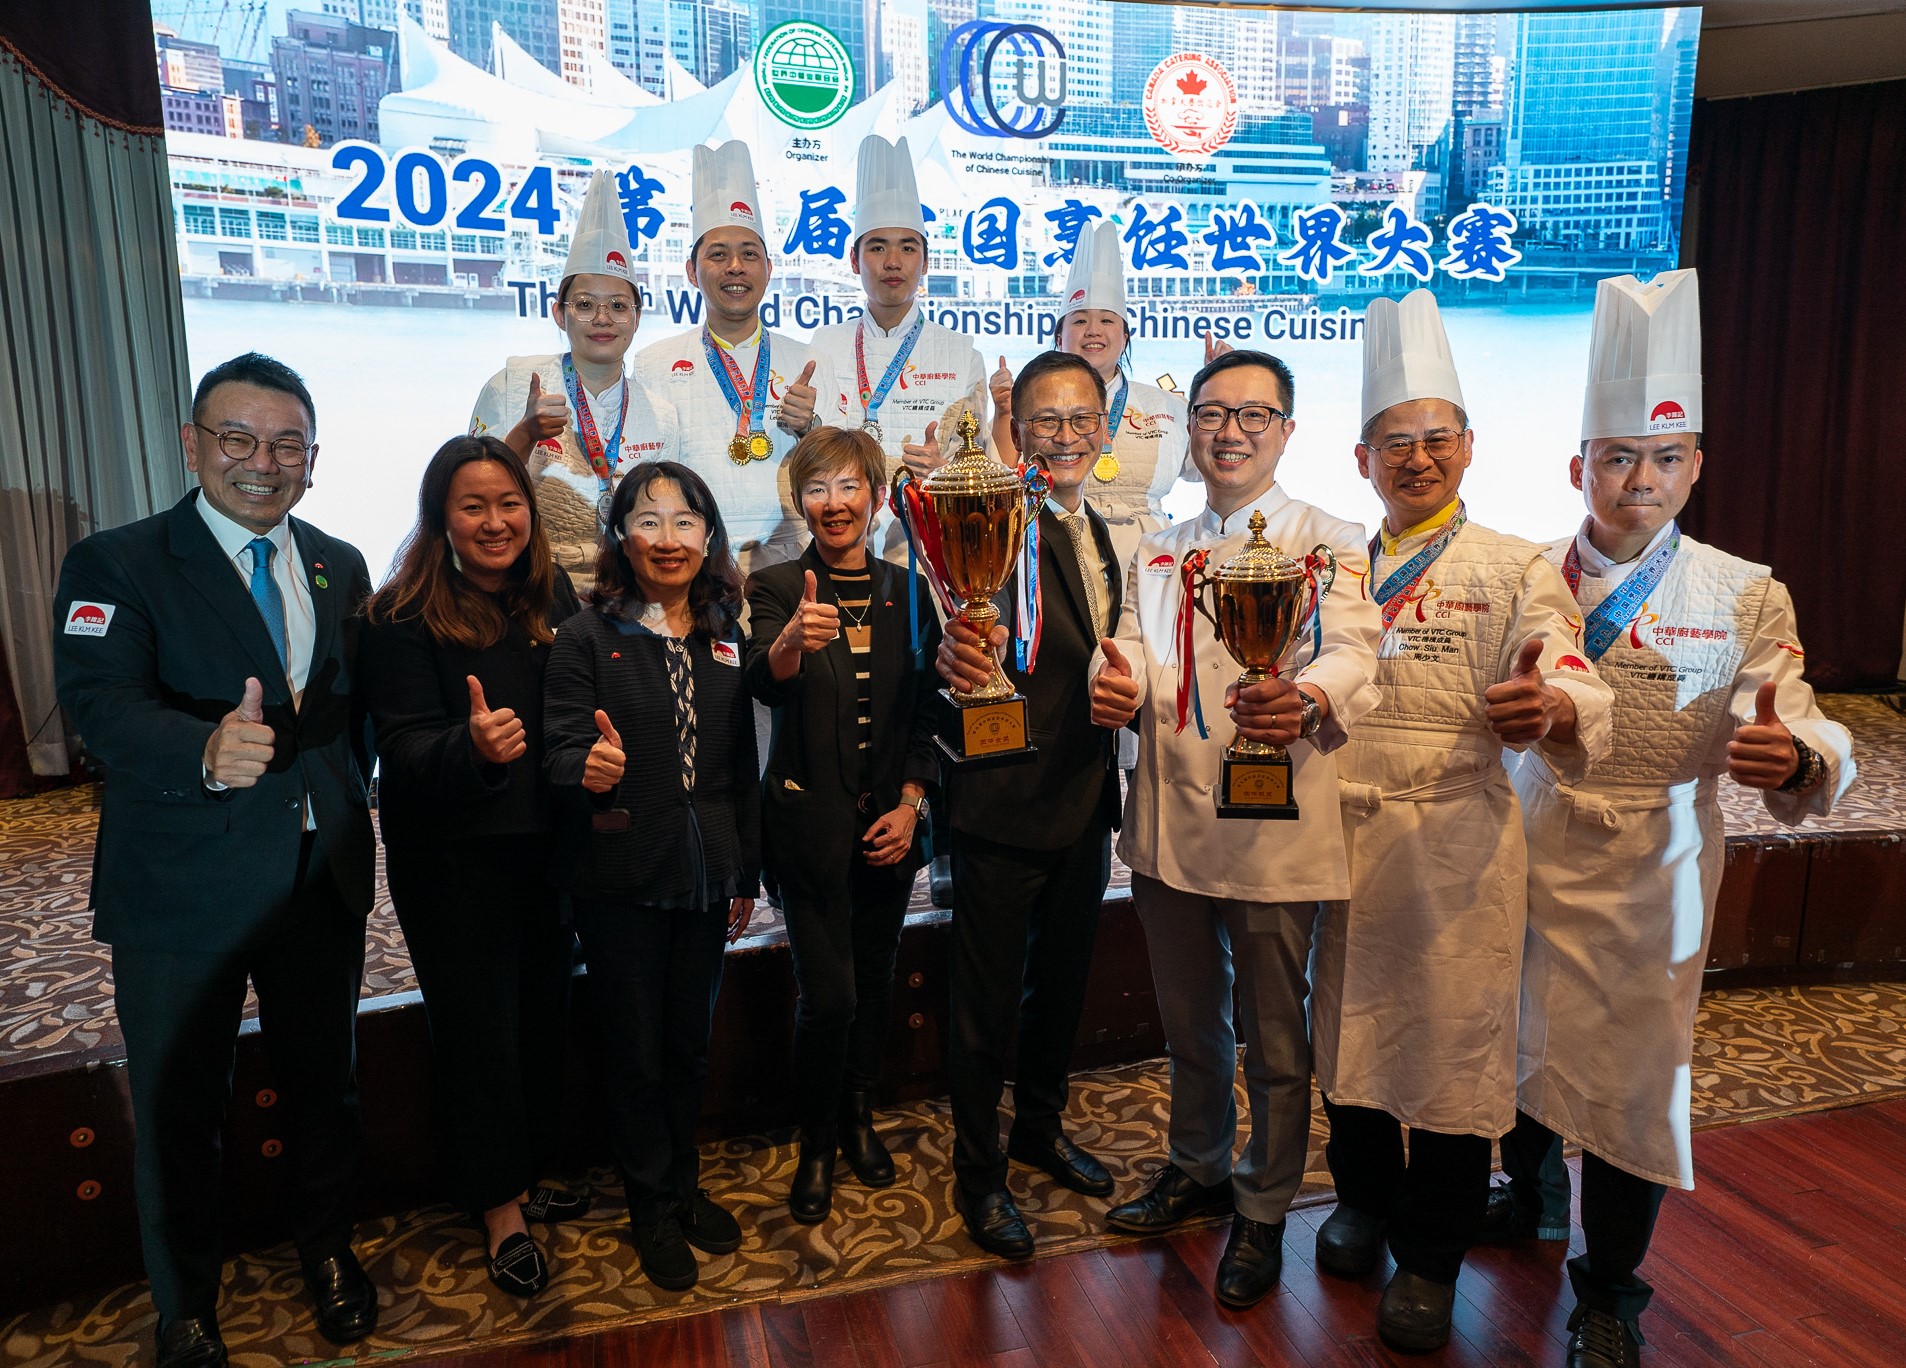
<point x="90" y="619"/>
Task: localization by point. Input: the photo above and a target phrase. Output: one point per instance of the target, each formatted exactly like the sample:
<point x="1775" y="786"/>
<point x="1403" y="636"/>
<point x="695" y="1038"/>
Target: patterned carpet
<point x="1759" y="1054"/>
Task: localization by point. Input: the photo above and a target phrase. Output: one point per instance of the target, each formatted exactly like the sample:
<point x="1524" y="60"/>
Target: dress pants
<point x="844" y="941"/>
<point x="1434" y="1202"/>
<point x="493" y="960"/>
<point x="653" y="976"/>
<point x="1618" y="1216"/>
<point x="1199" y="947"/>
<point x="179" y="1014"/>
<point x="1024" y="922"/>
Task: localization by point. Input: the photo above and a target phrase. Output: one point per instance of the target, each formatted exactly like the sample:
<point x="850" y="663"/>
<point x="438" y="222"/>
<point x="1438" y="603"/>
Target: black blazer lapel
<point x="206" y="568"/>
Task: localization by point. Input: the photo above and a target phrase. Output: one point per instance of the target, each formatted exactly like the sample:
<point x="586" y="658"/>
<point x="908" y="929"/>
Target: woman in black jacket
<point x="852" y="760"/>
<point x="451" y="663"/>
<point x="651" y="738"/>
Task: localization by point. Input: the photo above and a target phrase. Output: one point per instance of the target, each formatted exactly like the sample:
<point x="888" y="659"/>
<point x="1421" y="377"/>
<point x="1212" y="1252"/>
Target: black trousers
<point x="844" y="941"/>
<point x="1434" y="1201"/>
<point x="180" y="1013"/>
<point x="653" y="976"/>
<point x="1618" y="1216"/>
<point x="493" y="960"/>
<point x="1023" y="926"/>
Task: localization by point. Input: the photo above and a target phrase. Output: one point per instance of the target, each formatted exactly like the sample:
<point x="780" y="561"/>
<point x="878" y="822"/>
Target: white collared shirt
<point x="1597" y="566"/>
<point x="301" y="621"/>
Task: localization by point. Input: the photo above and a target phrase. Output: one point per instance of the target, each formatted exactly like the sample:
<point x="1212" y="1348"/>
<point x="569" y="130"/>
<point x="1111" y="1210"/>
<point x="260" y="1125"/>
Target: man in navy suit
<point x="205" y="656"/>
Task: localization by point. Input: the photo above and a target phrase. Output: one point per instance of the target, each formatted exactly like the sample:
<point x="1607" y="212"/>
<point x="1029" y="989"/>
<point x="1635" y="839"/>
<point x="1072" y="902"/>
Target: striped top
<point x="853" y="591"/>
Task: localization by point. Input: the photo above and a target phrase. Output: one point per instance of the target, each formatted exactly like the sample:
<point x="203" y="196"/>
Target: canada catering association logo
<point x="1191" y="104"/>
<point x="1004" y="80"/>
<point x="804" y="74"/>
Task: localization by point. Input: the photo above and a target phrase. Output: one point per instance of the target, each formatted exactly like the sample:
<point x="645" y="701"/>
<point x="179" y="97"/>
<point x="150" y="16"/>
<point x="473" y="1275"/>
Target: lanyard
<point x="1605" y="623"/>
<point x="1117" y="415"/>
<point x="751" y="414"/>
<point x="871" y="398"/>
<point x="602" y="459"/>
<point x="1396" y="591"/>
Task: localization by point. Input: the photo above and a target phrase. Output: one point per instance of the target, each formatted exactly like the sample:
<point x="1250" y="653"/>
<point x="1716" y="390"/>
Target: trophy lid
<point x="1258" y="561"/>
<point x="970" y="470"/>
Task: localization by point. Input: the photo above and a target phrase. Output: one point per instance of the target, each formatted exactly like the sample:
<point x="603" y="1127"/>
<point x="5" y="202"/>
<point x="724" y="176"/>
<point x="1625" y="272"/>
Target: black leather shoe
<point x="1350" y="1242"/>
<point x="1173" y="1198"/>
<point x="1505" y="1219"/>
<point x="1602" y="1341"/>
<point x="666" y="1259"/>
<point x="708" y="1227"/>
<point x="549" y="1205"/>
<point x="1253" y="1259"/>
<point x="344" y="1297"/>
<point x="192" y="1342"/>
<point x="1064" y="1162"/>
<point x="940" y="882"/>
<point x="995" y="1224"/>
<point x="1414" y="1314"/>
<point x="811" y="1194"/>
<point x="859" y="1145"/>
<point x="518" y="1268"/>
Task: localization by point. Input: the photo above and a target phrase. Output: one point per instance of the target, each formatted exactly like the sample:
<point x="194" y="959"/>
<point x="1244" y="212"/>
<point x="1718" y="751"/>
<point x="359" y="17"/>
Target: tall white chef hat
<point x="1097" y="277"/>
<point x="600" y="243"/>
<point x="886" y="195"/>
<point x="1644" y="358"/>
<point x="1406" y="354"/>
<point x="724" y="191"/>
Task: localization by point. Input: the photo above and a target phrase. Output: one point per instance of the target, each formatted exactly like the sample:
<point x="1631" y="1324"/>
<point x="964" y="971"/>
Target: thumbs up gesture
<point x="238" y="752"/>
<point x="1522" y="710"/>
<point x="1114" y="689"/>
<point x="546" y="413"/>
<point x="1214" y="347"/>
<point x="1000" y="382"/>
<point x="797" y="405"/>
<point x="603" y="770"/>
<point x="923" y="457"/>
<point x="498" y="736"/>
<point x="1762" y="753"/>
<point x="813" y="623"/>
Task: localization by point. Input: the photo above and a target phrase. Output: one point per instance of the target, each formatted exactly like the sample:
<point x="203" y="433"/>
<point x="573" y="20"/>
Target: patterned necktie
<point x="681" y="682"/>
<point x="266" y="594"/>
<point x="1088" y="571"/>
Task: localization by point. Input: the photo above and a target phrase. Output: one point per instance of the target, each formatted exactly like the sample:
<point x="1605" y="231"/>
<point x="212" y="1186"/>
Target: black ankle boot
<point x="859" y="1146"/>
<point x="811" y="1194"/>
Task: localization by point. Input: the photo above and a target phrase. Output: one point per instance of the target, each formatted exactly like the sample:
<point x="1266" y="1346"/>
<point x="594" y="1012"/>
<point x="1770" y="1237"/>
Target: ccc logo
<point x="996" y="98"/>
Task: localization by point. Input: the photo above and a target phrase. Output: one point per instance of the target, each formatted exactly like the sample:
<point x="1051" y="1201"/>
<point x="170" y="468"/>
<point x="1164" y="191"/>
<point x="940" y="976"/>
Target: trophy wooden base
<point x="982" y="734"/>
<point x="1257" y="787"/>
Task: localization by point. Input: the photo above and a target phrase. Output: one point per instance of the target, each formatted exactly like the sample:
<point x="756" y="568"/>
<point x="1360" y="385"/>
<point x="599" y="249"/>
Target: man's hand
<point x="923" y="457"/>
<point x="963" y="662"/>
<point x="888" y="839"/>
<point x="1522" y="709"/>
<point x="740" y="912"/>
<point x="603" y="771"/>
<point x="1000" y="383"/>
<point x="1114" y="689"/>
<point x="1271" y="710"/>
<point x="797" y="405"/>
<point x="545" y="415"/>
<point x="1214" y="348"/>
<point x="1762" y="753"/>
<point x="238" y="752"/>
<point x="498" y="736"/>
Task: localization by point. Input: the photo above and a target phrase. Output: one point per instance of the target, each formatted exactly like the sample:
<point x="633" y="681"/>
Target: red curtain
<point x="1800" y="237"/>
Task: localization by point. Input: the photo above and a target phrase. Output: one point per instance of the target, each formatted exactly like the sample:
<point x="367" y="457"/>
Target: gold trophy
<point x="1260" y="600"/>
<point x="966" y="522"/>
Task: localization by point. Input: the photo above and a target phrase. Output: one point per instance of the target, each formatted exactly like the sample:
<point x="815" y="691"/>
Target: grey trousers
<point x="1200" y="947"/>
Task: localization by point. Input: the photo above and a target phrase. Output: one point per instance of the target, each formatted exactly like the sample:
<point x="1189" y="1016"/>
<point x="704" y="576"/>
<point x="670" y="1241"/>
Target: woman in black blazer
<point x="832" y="653"/>
<point x="651" y="742"/>
<point x="451" y="667"/>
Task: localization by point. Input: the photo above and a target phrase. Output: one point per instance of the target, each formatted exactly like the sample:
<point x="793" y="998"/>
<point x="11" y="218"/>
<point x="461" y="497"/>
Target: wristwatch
<point x="918" y="802"/>
<point x="1313" y="717"/>
<point x="1808" y="774"/>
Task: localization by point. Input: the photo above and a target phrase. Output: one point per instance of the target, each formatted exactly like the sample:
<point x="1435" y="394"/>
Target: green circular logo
<point x="804" y="74"/>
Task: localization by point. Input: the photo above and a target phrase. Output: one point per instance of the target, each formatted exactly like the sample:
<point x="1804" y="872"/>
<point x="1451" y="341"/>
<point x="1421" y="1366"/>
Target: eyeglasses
<point x="587" y="306"/>
<point x="1085" y="424"/>
<point x="239" y="446"/>
<point x="1251" y="417"/>
<point x="1438" y="446"/>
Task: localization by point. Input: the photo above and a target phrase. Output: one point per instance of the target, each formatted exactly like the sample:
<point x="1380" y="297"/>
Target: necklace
<point x="859" y="635"/>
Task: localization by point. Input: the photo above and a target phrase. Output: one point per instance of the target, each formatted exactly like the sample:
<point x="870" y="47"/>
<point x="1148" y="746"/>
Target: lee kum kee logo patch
<point x="1668" y="416"/>
<point x="90" y="619"/>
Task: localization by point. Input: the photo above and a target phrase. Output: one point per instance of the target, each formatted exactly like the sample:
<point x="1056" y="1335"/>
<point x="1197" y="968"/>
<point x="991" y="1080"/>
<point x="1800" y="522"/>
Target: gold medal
<point x="759" y="447"/>
<point x="738" y="449"/>
<point x="1105" y="469"/>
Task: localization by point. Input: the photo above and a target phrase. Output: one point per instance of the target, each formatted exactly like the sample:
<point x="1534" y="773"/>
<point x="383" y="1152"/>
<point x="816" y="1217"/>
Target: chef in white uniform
<point x="1229" y="907"/>
<point x="573" y="416"/>
<point x="1414" y="983"/>
<point x="1705" y="661"/>
<point x="908" y="379"/>
<point x="744" y="395"/>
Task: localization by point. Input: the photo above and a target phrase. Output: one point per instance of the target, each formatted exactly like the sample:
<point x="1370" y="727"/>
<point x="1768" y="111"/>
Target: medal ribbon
<point x="1189" y="705"/>
<point x="872" y="398"/>
<point x="602" y="459"/>
<point x="1605" y="623"/>
<point x="1117" y="415"/>
<point x="1395" y="592"/>
<point x="751" y="414"/>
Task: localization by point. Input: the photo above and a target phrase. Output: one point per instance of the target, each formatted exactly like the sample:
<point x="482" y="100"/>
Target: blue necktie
<point x="266" y="594"/>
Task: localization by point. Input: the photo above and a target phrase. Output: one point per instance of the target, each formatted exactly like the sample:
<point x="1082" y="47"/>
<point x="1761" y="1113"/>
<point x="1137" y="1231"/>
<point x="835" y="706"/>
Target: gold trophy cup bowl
<point x="1259" y="600"/>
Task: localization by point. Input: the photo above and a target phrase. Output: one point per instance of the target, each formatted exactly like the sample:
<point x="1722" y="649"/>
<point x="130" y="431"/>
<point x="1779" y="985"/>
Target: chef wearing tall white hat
<point x="1704" y="658"/>
<point x="908" y="378"/>
<point x="744" y="395"/>
<point x="1415" y="979"/>
<point x="573" y="416"/>
<point x="1145" y="449"/>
